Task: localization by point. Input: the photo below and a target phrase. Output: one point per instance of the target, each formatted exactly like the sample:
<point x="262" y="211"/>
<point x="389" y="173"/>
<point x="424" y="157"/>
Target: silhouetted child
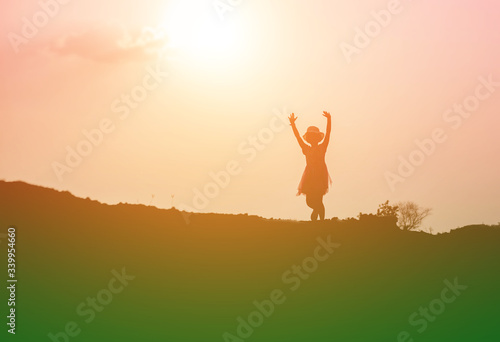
<point x="315" y="180"/>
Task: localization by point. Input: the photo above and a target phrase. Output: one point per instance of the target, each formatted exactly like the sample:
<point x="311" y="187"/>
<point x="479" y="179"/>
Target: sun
<point x="197" y="32"/>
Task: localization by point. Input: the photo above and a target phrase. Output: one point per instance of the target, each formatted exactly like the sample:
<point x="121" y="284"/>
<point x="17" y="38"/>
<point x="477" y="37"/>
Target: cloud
<point x="112" y="44"/>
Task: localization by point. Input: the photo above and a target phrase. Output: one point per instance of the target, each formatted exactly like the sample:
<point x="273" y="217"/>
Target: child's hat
<point x="313" y="130"/>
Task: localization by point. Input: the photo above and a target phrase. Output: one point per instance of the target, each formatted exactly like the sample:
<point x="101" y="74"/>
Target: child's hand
<point x="326" y="115"/>
<point x="292" y="119"/>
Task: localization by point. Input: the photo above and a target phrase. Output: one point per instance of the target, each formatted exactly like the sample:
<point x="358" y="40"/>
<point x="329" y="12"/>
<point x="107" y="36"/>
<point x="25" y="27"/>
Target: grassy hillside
<point x="203" y="277"/>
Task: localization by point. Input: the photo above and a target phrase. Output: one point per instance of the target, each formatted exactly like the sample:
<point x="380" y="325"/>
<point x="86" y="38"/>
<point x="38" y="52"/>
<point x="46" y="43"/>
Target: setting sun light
<point x="199" y="33"/>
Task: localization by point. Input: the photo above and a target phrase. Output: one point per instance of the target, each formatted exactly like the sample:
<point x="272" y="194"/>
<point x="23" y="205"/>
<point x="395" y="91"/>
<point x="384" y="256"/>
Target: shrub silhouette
<point x="411" y="215"/>
<point x="385" y="209"/>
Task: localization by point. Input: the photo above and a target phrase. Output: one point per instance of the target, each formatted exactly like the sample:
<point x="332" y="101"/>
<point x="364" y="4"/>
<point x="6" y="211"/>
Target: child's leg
<point x="312" y="203"/>
<point x="314" y="215"/>
<point x="321" y="208"/>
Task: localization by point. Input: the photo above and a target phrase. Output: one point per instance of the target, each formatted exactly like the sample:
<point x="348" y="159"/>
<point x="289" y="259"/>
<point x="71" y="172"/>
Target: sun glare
<point x="198" y="32"/>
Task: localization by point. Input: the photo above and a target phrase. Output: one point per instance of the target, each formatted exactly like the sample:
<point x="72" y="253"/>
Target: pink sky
<point x="226" y="77"/>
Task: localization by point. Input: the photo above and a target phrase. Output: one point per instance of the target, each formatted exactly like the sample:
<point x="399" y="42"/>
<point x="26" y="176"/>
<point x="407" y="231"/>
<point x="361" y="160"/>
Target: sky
<point x="185" y="103"/>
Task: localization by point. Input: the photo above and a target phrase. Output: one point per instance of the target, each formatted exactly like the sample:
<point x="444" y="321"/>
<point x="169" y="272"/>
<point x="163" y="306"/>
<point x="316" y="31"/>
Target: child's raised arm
<point x="292" y="119"/>
<point x="328" y="128"/>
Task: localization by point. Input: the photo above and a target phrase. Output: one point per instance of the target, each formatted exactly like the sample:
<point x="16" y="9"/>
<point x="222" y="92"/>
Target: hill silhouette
<point x="215" y="277"/>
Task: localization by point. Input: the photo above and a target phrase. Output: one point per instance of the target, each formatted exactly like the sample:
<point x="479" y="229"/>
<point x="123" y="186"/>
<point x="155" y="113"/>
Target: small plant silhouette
<point x="411" y="215"/>
<point x="385" y="209"/>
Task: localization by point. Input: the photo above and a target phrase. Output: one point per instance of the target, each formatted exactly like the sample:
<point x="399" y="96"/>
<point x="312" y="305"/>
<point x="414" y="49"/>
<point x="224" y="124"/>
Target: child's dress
<point x="315" y="179"/>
